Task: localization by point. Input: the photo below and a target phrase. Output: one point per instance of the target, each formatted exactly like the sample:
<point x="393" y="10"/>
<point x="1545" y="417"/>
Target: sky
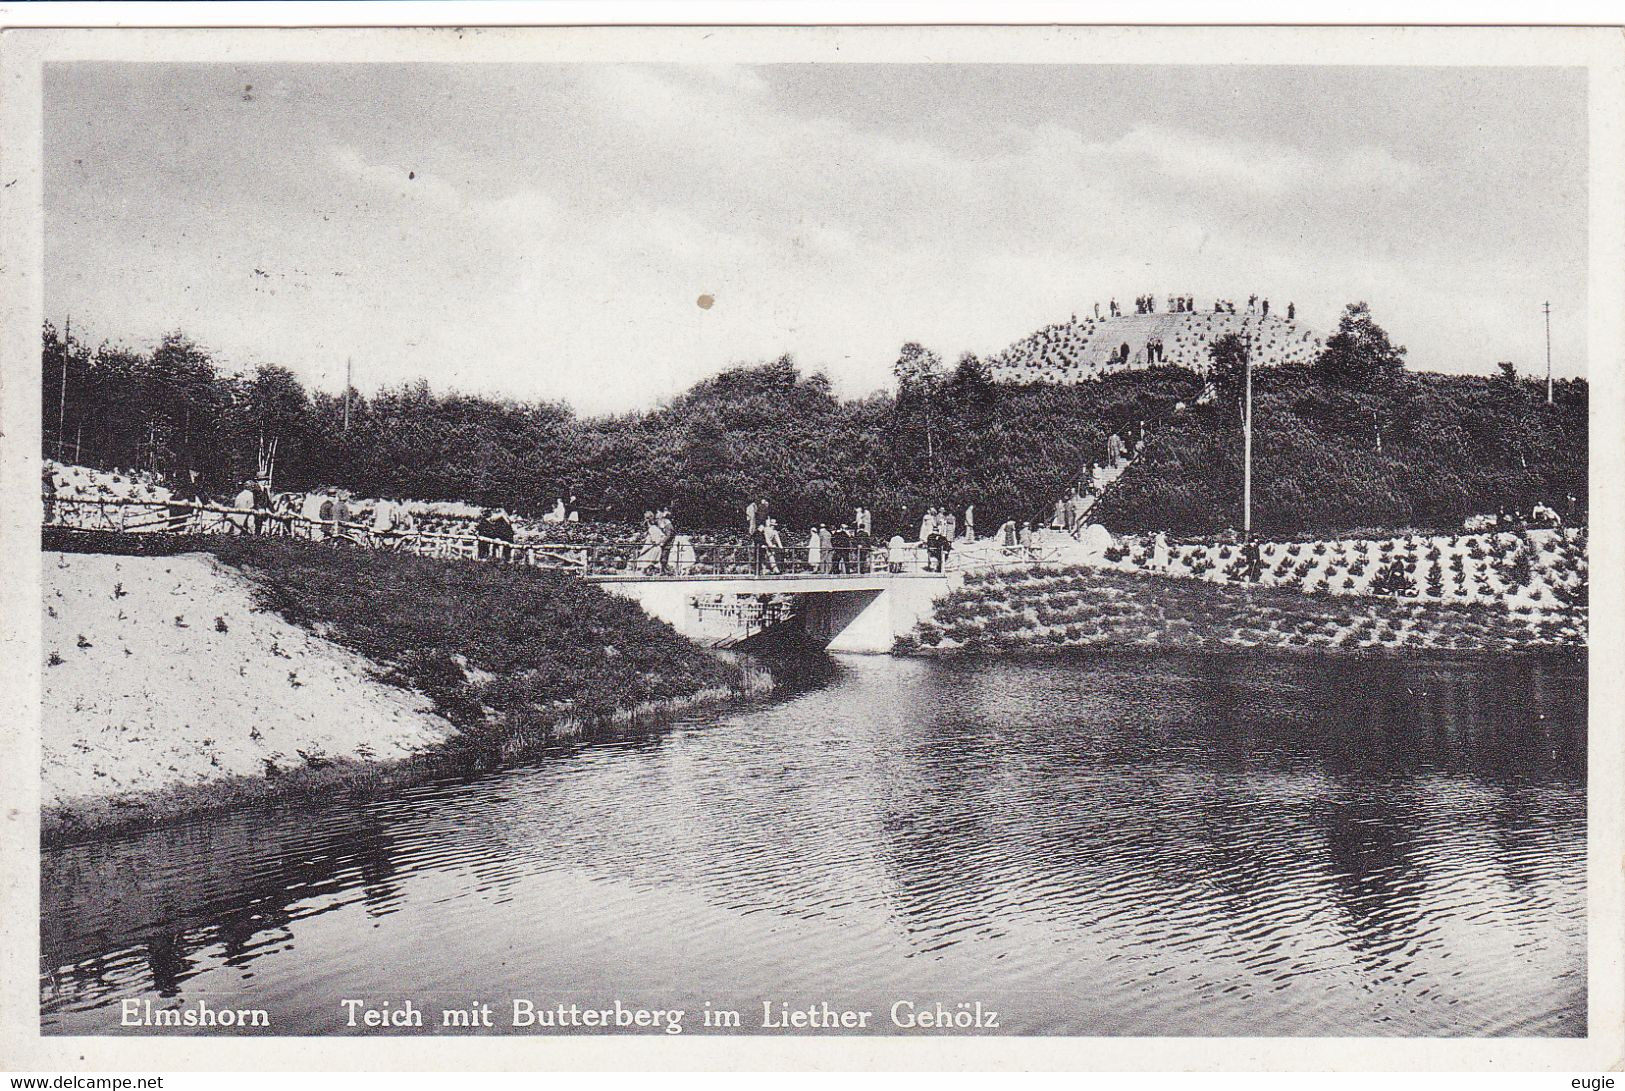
<point x="547" y="231"/>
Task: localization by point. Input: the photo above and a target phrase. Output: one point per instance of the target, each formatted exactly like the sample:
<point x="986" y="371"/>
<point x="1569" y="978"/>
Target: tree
<point x="1359" y="353"/>
<point x="1507" y="372"/>
<point x="918" y="370"/>
<point x="972" y="382"/>
<point x="274" y="412"/>
<point x="1229" y="368"/>
<point x="919" y="375"/>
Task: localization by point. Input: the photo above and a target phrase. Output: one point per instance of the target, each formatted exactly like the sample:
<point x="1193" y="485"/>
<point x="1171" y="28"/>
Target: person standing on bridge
<point x="758" y="548"/>
<point x="668" y="536"/>
<point x="774" y="543"/>
<point x="653" y="542"/>
<point x="841" y="540"/>
<point x="897" y="549"/>
<point x="826" y="550"/>
<point x="815" y="550"/>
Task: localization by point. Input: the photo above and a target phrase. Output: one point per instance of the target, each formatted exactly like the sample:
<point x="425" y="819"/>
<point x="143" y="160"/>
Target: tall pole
<point x="1247" y="453"/>
<point x="346" y="393"/>
<point x="1548" y="309"/>
<point x="62" y="398"/>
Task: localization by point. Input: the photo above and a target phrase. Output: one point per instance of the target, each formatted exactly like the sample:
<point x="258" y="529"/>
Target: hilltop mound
<point x="1081" y="349"/>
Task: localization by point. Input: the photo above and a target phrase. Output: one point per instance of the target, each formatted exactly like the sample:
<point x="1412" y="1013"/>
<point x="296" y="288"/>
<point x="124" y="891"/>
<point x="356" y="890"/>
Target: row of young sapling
<point x="1527" y="571"/>
<point x="1037" y="608"/>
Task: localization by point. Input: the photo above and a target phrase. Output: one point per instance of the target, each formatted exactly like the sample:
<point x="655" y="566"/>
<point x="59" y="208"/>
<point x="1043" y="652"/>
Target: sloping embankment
<point x="162" y="672"/>
<point x="250" y="669"/>
<point x="1077" y="606"/>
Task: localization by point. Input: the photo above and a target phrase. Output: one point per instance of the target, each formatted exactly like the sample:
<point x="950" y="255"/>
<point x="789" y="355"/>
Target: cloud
<point x="1269" y="169"/>
<point x="564" y="218"/>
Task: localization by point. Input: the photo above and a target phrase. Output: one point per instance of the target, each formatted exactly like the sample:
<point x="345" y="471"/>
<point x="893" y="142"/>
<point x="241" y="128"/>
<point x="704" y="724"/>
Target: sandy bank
<point x="162" y="672"/>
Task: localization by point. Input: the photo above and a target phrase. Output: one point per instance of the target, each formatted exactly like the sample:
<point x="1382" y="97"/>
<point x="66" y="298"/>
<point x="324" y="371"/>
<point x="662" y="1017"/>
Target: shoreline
<point x="468" y="753"/>
<point x="327" y="672"/>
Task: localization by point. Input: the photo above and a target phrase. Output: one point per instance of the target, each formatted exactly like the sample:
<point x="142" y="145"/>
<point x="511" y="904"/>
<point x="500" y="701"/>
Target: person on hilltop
<point x="1265" y="310"/>
<point x="1291" y="311"/>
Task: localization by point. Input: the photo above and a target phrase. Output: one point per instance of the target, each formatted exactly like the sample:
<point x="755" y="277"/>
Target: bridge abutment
<point x="861" y="614"/>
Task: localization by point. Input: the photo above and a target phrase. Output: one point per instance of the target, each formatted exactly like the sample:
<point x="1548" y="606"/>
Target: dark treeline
<point x="949" y="436"/>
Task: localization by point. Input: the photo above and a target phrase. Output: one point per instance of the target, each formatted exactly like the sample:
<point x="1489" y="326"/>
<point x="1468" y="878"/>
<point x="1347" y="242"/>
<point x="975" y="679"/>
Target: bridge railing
<point x="682" y="558"/>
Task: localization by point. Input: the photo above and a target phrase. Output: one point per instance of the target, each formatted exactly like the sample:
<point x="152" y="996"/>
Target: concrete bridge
<point x="846" y="613"/>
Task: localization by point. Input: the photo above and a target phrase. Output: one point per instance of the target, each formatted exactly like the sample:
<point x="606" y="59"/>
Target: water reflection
<point x="1118" y="843"/>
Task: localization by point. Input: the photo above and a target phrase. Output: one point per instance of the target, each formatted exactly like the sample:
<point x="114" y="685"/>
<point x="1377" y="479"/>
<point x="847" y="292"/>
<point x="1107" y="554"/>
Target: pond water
<point x="1100" y="844"/>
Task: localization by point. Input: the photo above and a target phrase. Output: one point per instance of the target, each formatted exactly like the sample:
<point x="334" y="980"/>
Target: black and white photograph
<point x="1087" y="540"/>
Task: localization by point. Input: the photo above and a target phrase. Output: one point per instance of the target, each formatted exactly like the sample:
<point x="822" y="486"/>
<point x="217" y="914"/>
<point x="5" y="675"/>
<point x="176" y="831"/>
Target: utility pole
<point x="1548" y="309"/>
<point x="346" y="393"/>
<point x="1247" y="452"/>
<point x="62" y="397"/>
